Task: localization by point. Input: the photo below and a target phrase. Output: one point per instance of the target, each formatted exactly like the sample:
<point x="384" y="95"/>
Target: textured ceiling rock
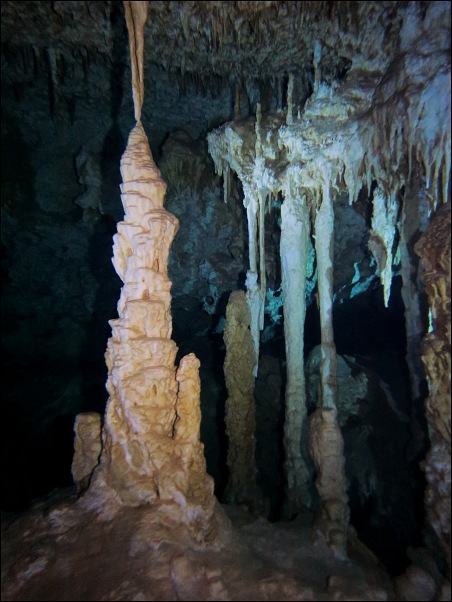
<point x="233" y="39"/>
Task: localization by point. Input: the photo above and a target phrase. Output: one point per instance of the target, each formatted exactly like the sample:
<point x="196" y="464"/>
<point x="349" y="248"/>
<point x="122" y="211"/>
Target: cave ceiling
<point x="227" y="39"/>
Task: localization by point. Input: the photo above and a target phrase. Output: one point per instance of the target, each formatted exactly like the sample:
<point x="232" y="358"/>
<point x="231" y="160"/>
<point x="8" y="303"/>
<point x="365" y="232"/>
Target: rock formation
<point x="151" y="452"/>
<point x="326" y="447"/>
<point x="295" y="231"/>
<point x="240" y="405"/>
<point x="326" y="444"/>
<point x="434" y="248"/>
<point x="87" y="448"/>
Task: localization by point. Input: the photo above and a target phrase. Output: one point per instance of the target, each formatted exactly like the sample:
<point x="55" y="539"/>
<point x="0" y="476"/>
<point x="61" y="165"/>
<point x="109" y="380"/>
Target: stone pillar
<point x="434" y="248"/>
<point x="240" y="406"/>
<point x="295" y="227"/>
<point x="325" y="439"/>
<point x="151" y="448"/>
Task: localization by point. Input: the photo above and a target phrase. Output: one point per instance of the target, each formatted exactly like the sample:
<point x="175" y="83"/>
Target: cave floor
<point x="56" y="551"/>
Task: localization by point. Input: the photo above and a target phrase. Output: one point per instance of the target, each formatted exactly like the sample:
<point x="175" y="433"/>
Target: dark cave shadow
<point x="100" y="252"/>
<point x="391" y="518"/>
<point x="218" y="357"/>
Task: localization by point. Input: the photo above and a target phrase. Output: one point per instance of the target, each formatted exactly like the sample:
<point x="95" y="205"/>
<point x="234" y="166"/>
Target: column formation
<point x="295" y="229"/>
<point x="326" y="444"/>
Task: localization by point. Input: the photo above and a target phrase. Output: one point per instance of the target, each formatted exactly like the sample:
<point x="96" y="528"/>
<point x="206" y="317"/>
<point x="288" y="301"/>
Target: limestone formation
<point x="87" y="448"/>
<point x="326" y="444"/>
<point x="240" y="406"/>
<point x="434" y="248"/>
<point x="151" y="449"/>
<point x="295" y="230"/>
<point x="326" y="447"/>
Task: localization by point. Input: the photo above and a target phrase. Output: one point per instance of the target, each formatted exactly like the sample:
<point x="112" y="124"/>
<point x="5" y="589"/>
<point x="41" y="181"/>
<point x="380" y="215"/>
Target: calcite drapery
<point x="239" y="364"/>
<point x="434" y="248"/>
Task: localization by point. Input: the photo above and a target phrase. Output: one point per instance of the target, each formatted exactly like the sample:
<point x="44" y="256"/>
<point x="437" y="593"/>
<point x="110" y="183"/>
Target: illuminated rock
<point x="151" y="452"/>
<point x="87" y="448"/>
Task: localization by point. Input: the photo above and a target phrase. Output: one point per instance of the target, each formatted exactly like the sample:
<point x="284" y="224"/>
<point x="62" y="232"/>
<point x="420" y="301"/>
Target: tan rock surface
<point x="326" y="447"/>
<point x="87" y="448"/>
<point x="151" y="449"/>
<point x="142" y="554"/>
<point x="240" y="405"/>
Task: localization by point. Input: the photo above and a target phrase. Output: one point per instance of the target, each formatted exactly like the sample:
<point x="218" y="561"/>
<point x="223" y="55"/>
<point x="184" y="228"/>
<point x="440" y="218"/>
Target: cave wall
<point x="434" y="248"/>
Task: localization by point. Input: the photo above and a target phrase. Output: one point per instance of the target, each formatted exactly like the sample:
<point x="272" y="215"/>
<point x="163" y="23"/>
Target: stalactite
<point x="318" y="50"/>
<point x="136" y="15"/>
<point x="262" y="273"/>
<point x="295" y="228"/>
<point x="324" y="229"/>
<point x="289" y="118"/>
<point x="252" y="285"/>
<point x="381" y="242"/>
<point x="258" y="180"/>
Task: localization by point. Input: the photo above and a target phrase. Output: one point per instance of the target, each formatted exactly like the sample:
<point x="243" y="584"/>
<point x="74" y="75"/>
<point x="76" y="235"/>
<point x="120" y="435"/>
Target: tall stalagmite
<point x="240" y="406"/>
<point x="434" y="248"/>
<point x="151" y="448"/>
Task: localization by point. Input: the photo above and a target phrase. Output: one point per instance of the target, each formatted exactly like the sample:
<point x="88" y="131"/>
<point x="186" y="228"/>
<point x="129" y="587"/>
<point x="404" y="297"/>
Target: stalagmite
<point x="326" y="444"/>
<point x="87" y="448"/>
<point x="295" y="227"/>
<point x="151" y="449"/>
<point x="240" y="406"/>
<point x="434" y="248"/>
